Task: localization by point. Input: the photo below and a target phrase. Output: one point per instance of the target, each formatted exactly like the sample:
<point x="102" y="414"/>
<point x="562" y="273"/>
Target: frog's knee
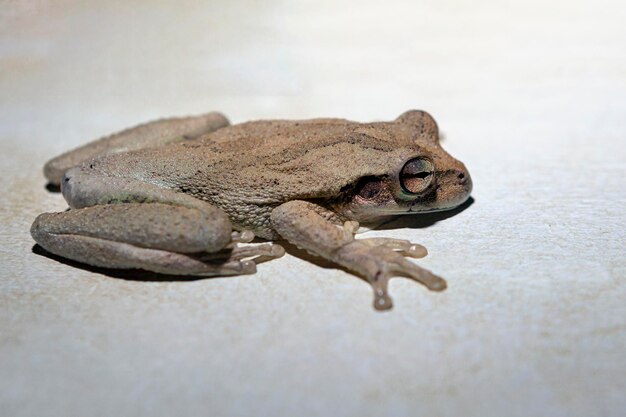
<point x="77" y="188"/>
<point x="68" y="183"/>
<point x="38" y="229"/>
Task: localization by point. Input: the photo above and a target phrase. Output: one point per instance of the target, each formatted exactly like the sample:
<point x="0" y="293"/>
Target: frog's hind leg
<point x="126" y="223"/>
<point x="260" y="252"/>
<point x="148" y="135"/>
<point x="163" y="238"/>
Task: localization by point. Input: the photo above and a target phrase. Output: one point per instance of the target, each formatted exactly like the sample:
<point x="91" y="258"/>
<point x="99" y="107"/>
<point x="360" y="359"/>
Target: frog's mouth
<point x="453" y="189"/>
<point x="414" y="210"/>
<point x="375" y="198"/>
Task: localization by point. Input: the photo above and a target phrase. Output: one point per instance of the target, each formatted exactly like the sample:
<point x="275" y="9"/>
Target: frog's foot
<point x="405" y="247"/>
<point x="379" y="264"/>
<point x="262" y="252"/>
<point x="257" y="253"/>
<point x="157" y="237"/>
<point x="378" y="260"/>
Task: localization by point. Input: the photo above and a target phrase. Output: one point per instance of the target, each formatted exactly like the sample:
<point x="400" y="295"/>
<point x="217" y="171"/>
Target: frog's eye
<point x="416" y="175"/>
<point x="369" y="187"/>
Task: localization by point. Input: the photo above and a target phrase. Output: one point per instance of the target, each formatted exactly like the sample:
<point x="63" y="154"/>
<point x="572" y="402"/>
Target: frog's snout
<point x="464" y="180"/>
<point x="454" y="187"/>
<point x="463" y="183"/>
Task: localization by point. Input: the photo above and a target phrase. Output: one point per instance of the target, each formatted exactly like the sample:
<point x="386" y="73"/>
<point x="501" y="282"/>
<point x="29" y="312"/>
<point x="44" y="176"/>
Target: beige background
<point x="531" y="96"/>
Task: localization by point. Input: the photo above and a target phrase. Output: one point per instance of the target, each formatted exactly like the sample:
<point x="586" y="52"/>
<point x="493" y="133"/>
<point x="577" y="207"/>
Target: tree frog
<point x="186" y="196"/>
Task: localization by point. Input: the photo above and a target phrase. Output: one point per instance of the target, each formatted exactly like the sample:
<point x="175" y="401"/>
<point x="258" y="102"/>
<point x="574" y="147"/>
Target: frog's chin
<point x="450" y="204"/>
<point x="381" y="214"/>
<point x="413" y="210"/>
<point x="378" y="216"/>
<point x="425" y="211"/>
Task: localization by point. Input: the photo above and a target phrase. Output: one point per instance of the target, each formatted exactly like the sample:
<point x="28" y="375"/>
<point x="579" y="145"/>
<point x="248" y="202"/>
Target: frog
<point x="198" y="197"/>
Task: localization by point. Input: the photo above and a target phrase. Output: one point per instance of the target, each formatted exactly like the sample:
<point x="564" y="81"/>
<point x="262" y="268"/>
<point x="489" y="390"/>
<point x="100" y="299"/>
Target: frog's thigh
<point x="141" y="225"/>
<point x="163" y="238"/>
<point x="156" y="133"/>
<point x="81" y="187"/>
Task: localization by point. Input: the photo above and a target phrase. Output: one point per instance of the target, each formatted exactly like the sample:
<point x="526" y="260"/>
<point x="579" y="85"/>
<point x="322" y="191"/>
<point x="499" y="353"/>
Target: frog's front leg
<point x="303" y="224"/>
<point x="405" y="247"/>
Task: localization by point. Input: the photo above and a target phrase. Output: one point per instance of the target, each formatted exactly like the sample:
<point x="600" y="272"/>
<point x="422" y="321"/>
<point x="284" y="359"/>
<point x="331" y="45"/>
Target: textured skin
<point x="157" y="133"/>
<point x="378" y="261"/>
<point x="171" y="204"/>
<point x="249" y="169"/>
<point x="164" y="226"/>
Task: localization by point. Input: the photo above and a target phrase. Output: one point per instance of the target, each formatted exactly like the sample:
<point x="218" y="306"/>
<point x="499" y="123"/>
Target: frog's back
<point x="301" y="159"/>
<point x="281" y="160"/>
<point x="249" y="169"/>
<point x="256" y="134"/>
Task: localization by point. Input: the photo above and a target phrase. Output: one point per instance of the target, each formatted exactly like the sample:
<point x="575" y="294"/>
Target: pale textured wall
<point x="530" y="94"/>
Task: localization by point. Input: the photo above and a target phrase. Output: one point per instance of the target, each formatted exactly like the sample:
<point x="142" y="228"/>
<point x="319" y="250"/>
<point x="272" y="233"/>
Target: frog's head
<point x="424" y="179"/>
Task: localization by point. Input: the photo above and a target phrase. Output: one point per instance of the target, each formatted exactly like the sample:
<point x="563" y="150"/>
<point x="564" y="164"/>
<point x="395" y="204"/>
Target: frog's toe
<point x="382" y="300"/>
<point x="351" y="227"/>
<point x="394" y="264"/>
<point x="255" y="253"/>
<point x="408" y="269"/>
<point x="415" y="250"/>
<point x="401" y="246"/>
<point x="245" y="236"/>
<point x="245" y="267"/>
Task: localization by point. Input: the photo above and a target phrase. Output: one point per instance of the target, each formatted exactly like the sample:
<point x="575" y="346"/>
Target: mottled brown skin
<point x="308" y="182"/>
<point x="156" y="133"/>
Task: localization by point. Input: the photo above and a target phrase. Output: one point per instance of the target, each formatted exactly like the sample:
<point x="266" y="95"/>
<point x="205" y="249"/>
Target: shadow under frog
<point x="180" y="199"/>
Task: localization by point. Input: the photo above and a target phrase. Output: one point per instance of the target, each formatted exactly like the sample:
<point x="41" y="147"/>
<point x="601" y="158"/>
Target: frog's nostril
<point x="461" y="176"/>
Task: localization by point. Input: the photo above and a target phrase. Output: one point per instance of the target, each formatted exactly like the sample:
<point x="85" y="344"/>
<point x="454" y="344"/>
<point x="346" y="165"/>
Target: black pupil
<point x="422" y="174"/>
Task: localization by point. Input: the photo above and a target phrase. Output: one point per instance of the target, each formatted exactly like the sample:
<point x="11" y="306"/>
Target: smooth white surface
<point x="531" y="95"/>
